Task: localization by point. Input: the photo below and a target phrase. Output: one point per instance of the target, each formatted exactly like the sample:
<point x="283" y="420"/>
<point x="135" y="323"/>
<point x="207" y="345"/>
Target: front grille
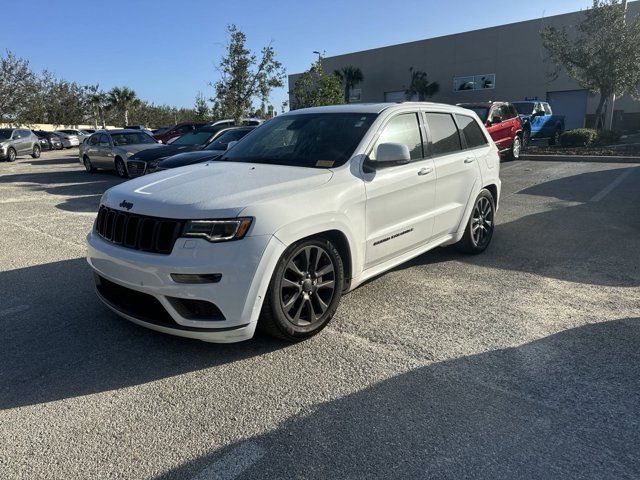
<point x="140" y="232"/>
<point x="136" y="168"/>
<point x="136" y="304"/>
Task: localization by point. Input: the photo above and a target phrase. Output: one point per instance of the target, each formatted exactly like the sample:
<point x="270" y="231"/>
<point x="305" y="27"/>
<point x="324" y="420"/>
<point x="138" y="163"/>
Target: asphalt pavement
<point x="523" y="362"/>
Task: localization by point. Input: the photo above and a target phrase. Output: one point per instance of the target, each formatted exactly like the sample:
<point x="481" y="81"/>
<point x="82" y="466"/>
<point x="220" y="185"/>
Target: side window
<point x="104" y="141"/>
<point x="444" y="134"/>
<point x="547" y="108"/>
<point x="471" y="131"/>
<point x="403" y="129"/>
<point x="506" y="112"/>
<point x="94" y="140"/>
<point x="184" y="129"/>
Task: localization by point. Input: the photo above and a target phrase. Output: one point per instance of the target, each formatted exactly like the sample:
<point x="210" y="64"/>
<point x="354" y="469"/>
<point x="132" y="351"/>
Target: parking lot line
<point x="233" y="464"/>
<point x="609" y="188"/>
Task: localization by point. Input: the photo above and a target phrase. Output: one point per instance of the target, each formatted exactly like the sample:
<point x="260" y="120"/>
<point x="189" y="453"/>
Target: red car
<point x="178" y="130"/>
<point x="503" y="124"/>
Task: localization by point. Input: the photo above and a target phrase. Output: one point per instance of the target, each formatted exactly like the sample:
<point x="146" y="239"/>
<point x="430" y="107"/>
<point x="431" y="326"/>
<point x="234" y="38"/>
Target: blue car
<point x="539" y="122"/>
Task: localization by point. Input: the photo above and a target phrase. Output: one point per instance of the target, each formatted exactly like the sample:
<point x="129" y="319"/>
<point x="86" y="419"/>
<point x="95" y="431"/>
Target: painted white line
<point x="609" y="188"/>
<point x="13" y="310"/>
<point x="233" y="464"/>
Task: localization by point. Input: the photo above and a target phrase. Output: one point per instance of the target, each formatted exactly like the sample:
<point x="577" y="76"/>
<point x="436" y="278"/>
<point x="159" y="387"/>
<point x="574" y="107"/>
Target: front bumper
<point x="245" y="265"/>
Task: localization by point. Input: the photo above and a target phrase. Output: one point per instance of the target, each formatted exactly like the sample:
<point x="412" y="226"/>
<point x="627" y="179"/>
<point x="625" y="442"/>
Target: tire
<point x="555" y="139"/>
<point x="526" y="138"/>
<point x="299" y="302"/>
<point x="36" y="151"/>
<point x="479" y="231"/>
<point x="88" y="166"/>
<point x="11" y="155"/>
<point x="121" y="168"/>
<point x="516" y="148"/>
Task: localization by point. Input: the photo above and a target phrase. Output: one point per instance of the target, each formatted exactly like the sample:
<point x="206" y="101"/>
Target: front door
<point x="103" y="153"/>
<point x="400" y="198"/>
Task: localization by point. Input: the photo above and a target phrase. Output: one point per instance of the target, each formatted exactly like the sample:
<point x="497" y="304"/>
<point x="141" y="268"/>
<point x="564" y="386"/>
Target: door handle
<point x="469" y="159"/>
<point x="425" y="171"/>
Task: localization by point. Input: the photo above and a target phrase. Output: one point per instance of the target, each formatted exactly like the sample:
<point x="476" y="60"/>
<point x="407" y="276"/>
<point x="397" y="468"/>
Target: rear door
<point x="400" y="198"/>
<point x="456" y="170"/>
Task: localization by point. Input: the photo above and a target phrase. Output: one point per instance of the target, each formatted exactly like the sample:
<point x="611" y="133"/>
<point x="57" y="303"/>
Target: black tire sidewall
<point x="124" y="168"/>
<point x="88" y="166"/>
<point x="284" y="326"/>
<point x="36" y="149"/>
<point x="483" y="194"/>
<point x="11" y="155"/>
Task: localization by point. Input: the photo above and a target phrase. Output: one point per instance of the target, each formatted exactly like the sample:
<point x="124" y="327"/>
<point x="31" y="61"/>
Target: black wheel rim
<point x="307" y="286"/>
<point x="482" y="222"/>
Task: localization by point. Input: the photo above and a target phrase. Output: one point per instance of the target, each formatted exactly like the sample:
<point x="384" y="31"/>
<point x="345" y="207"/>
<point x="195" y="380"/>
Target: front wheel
<point x="36" y="152"/>
<point x="88" y="166"/>
<point x="479" y="231"/>
<point x="304" y="291"/>
<point x="11" y="155"/>
<point x="121" y="169"/>
<point x="516" y="148"/>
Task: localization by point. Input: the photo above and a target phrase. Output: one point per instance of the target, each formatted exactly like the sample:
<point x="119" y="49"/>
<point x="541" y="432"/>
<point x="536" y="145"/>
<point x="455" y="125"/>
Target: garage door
<point x="570" y="103"/>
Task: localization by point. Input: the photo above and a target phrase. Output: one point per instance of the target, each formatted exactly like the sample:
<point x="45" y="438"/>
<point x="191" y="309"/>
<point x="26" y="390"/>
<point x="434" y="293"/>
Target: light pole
<point x="611" y="103"/>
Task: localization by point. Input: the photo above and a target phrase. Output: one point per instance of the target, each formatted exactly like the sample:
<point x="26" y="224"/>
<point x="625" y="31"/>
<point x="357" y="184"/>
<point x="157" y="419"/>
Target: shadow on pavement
<point x="59" y="341"/>
<point x="594" y="243"/>
<point x="564" y="406"/>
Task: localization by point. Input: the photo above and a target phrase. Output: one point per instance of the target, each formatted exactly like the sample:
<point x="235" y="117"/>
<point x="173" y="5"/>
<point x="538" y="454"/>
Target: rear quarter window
<point x="471" y="131"/>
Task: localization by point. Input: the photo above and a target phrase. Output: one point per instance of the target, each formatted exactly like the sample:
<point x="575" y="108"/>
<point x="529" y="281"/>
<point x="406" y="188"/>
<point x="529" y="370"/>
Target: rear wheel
<point x="121" y="169"/>
<point x="479" y="231"/>
<point x="11" y="155"/>
<point x="36" y="151"/>
<point x="516" y="148"/>
<point x="304" y="292"/>
<point x="555" y="139"/>
<point x="526" y="138"/>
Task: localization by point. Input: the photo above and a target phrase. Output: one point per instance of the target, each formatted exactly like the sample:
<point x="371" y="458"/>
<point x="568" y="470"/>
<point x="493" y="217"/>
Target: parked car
<point x="109" y="149"/>
<point x="161" y="130"/>
<point x="142" y="128"/>
<point x="228" y="122"/>
<point x="89" y="131"/>
<point x="503" y="124"/>
<point x="52" y="140"/>
<point x="80" y="134"/>
<point x="68" y="140"/>
<point x="212" y="151"/>
<point x="177" y="130"/>
<point x="18" y="141"/>
<point x="310" y="205"/>
<point x="540" y="122"/>
<point x="43" y="141"/>
<point x="145" y="161"/>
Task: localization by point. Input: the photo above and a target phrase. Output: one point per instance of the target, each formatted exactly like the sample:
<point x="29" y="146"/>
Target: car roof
<point x="481" y="104"/>
<point x="373" y="107"/>
<point x="119" y="130"/>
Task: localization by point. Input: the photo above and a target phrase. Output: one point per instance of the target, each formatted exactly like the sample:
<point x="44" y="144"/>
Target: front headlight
<point x="129" y="154"/>
<point x="218" y="230"/>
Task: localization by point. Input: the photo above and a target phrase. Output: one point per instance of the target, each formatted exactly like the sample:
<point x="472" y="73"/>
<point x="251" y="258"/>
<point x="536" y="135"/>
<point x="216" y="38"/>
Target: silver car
<point x="18" y="141"/>
<point x="69" y="138"/>
<point x="110" y="149"/>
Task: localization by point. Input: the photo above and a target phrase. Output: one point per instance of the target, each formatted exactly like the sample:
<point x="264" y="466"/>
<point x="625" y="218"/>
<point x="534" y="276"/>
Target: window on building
<point x="471" y="131"/>
<point x="484" y="82"/>
<point x="395" y="96"/>
<point x="403" y="129"/>
<point x="443" y="133"/>
<point x="474" y="82"/>
<point x="355" y="95"/>
<point x="463" y="83"/>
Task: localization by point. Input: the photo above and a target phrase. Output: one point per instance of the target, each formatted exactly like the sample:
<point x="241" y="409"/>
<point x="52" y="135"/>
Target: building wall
<point x="514" y="53"/>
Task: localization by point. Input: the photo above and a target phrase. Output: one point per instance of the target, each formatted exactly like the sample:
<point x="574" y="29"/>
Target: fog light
<point x="196" y="278"/>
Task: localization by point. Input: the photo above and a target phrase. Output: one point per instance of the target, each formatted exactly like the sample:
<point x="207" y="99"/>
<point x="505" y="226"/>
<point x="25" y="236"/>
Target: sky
<point x="167" y="51"/>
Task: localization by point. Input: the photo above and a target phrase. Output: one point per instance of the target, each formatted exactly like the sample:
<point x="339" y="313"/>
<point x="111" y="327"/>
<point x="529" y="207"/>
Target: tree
<point x="419" y="86"/>
<point x="18" y="87"/>
<point x="97" y="101"/>
<point x="602" y="53"/>
<point x="244" y="78"/>
<point x="350" y="76"/>
<point x="123" y="99"/>
<point x="201" y="108"/>
<point x="314" y="88"/>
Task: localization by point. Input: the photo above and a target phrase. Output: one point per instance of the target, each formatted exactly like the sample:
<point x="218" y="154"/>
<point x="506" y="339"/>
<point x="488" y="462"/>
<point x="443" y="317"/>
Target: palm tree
<point x="123" y="99"/>
<point x="97" y="100"/>
<point x="420" y="86"/>
<point x="350" y="76"/>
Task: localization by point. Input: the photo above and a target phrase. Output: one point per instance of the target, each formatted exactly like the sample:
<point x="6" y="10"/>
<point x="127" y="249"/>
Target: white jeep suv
<point x="301" y="210"/>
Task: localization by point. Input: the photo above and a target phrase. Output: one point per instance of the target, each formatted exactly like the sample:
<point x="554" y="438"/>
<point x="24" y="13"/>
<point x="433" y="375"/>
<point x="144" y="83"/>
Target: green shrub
<point x="580" y="137"/>
<point x="608" y="137"/>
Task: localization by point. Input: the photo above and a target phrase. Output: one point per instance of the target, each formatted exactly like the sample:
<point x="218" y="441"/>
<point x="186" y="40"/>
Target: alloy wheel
<point x="516" y="148"/>
<point x="482" y="223"/>
<point x="307" y="286"/>
<point x="120" y="168"/>
<point x="87" y="164"/>
<point x="12" y="155"/>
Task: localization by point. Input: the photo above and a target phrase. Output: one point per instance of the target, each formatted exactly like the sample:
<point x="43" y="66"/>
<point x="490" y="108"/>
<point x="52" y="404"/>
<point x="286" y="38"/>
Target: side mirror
<point x="231" y="144"/>
<point x="392" y="152"/>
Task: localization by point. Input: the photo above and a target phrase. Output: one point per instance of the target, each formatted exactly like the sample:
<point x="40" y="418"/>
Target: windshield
<point x="199" y="137"/>
<point x="223" y="140"/>
<point x="130" y="138"/>
<point x="5" y="133"/>
<point x="482" y="112"/>
<point x="315" y="140"/>
<point x="524" y="108"/>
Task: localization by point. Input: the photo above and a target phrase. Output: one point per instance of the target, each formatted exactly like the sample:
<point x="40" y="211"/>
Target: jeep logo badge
<point x="127" y="205"/>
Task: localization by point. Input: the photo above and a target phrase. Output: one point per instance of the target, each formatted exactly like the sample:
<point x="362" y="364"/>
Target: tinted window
<point x="472" y="131"/>
<point x="223" y="140"/>
<point x="5" y="133"/>
<point x="524" y="108"/>
<point x="444" y="136"/>
<point x="403" y="129"/>
<point x="320" y="140"/>
<point x="24" y="133"/>
<point x="131" y="138"/>
<point x="104" y="141"/>
<point x="184" y="129"/>
<point x="482" y="112"/>
<point x="547" y="109"/>
<point x="94" y="139"/>
<point x="198" y="137"/>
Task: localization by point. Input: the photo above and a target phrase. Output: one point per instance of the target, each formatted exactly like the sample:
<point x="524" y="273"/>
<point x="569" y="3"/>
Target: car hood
<point x="189" y="158"/>
<point x="211" y="190"/>
<point x="164" y="151"/>
<point x="139" y="147"/>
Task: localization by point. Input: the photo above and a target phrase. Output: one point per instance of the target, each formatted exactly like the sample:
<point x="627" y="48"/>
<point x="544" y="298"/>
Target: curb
<point x="580" y="158"/>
